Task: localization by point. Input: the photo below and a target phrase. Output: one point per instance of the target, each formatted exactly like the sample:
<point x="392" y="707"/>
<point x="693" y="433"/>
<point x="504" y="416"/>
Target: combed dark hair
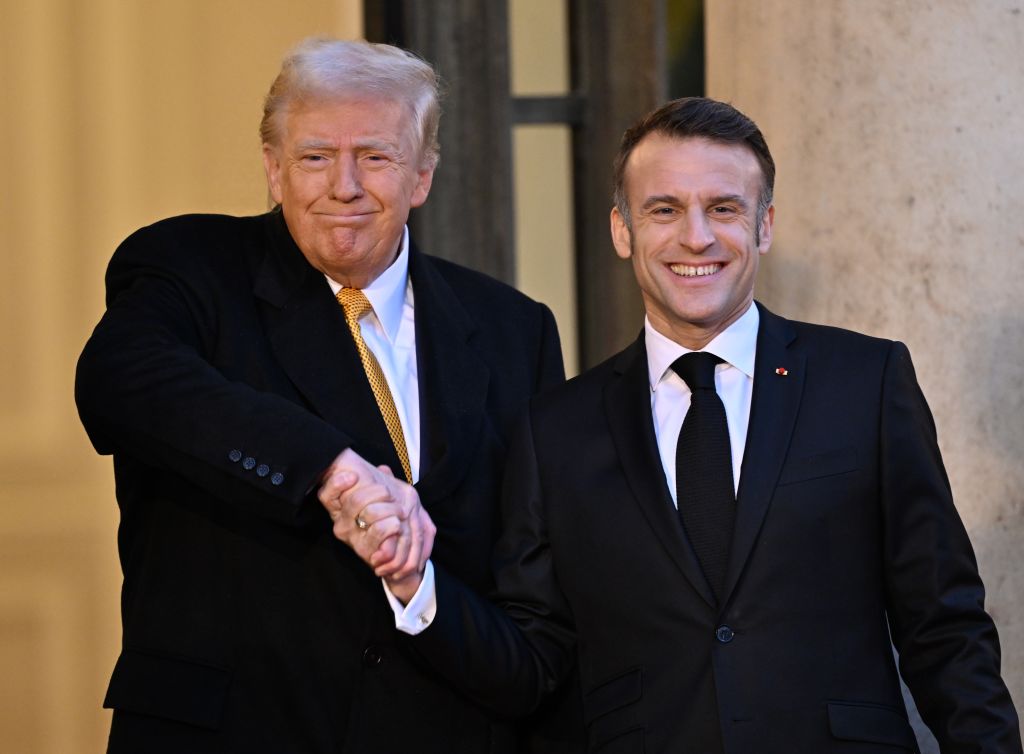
<point x="696" y="117"/>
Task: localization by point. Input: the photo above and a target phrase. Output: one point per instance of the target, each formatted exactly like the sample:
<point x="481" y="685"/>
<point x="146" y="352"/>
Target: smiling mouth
<point x="691" y="271"/>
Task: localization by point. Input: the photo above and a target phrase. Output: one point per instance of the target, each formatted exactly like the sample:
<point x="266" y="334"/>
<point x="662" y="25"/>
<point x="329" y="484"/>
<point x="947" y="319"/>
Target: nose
<point x="695" y="233"/>
<point x="345" y="184"/>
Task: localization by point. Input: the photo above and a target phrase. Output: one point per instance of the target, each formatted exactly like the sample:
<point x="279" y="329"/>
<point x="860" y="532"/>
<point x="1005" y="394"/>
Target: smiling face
<point x="695" y="240"/>
<point x="346" y="174"/>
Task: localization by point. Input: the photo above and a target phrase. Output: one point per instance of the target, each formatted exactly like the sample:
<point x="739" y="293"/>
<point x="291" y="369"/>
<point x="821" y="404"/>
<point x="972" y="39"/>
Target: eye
<point x="376" y="159"/>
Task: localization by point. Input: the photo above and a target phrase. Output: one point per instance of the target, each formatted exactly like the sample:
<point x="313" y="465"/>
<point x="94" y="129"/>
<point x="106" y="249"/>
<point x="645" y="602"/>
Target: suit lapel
<point x="453" y="381"/>
<point x="773" y="411"/>
<point x="627" y="404"/>
<point x="307" y="332"/>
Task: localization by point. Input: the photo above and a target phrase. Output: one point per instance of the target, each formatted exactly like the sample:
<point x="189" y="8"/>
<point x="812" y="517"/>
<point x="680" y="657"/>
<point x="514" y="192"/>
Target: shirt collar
<point x="737" y="345"/>
<point x="387" y="293"/>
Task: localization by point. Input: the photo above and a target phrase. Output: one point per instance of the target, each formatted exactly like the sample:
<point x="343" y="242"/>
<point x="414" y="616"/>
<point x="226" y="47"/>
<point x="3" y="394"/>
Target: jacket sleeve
<point x="550" y="369"/>
<point x="506" y="655"/>
<point x="947" y="643"/>
<point x="147" y="390"/>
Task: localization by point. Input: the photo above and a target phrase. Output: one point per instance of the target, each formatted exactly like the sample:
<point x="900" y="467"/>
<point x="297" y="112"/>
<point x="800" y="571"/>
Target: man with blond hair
<point x="241" y="359"/>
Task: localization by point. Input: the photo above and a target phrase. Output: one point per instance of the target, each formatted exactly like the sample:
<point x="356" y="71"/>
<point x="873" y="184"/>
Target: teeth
<point x="693" y="272"/>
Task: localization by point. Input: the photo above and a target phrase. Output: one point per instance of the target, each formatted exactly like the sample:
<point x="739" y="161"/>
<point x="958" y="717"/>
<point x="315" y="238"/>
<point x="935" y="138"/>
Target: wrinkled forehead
<point x="395" y="115"/>
<point x="693" y="163"/>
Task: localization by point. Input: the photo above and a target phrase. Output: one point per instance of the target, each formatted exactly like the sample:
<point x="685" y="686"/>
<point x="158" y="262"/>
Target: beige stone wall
<point x="113" y="113"/>
<point x="897" y="128"/>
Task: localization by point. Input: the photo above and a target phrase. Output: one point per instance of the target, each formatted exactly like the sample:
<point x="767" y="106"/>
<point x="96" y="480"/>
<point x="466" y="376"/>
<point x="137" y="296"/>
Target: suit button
<point x="724" y="634"/>
<point x="248" y="463"/>
<point x="277" y="478"/>
<point x="262" y="470"/>
<point x="371" y="656"/>
<point x="235" y="456"/>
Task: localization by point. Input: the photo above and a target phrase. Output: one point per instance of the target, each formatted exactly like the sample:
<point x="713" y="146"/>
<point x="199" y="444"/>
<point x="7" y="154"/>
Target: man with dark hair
<point x="242" y="359"/>
<point x="730" y="523"/>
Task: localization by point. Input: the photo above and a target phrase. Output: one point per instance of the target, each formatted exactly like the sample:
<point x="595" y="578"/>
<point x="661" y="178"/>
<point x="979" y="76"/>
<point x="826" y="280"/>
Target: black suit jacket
<point x="845" y="532"/>
<point x="224" y="381"/>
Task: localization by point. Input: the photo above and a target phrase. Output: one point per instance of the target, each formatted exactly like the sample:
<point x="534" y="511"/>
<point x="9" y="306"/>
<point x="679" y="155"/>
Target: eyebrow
<point x="379" y="146"/>
<point x="315" y="144"/>
<point x="660" y="199"/>
<point x="673" y="201"/>
<point x="329" y="146"/>
<point x="729" y="199"/>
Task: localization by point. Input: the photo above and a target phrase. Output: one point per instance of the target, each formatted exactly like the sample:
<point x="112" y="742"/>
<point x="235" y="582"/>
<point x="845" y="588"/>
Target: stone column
<point x="896" y="126"/>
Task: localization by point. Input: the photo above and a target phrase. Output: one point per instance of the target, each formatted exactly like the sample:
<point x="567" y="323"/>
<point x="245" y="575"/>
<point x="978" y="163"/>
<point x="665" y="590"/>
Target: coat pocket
<point x="869" y="723"/>
<point x="159" y="685"/>
<point x="827" y="463"/>
<point x="610" y="733"/>
<point x="609" y="696"/>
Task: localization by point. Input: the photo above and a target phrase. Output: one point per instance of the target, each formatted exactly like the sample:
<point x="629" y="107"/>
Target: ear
<point x="622" y="239"/>
<point x="767" y="222"/>
<point x="272" y="167"/>
<point x="424" y="180"/>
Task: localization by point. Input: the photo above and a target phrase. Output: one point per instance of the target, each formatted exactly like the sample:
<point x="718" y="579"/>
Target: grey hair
<point x="325" y="69"/>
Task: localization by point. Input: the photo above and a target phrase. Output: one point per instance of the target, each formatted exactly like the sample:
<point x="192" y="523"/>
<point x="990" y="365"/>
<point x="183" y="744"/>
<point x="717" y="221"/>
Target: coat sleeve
<point x="147" y="390"/>
<point x="550" y="369"/>
<point x="507" y="655"/>
<point x="947" y="643"/>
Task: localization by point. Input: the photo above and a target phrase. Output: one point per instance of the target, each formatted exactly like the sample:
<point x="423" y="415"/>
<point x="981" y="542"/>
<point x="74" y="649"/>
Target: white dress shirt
<point x="670" y="400"/>
<point x="734" y="382"/>
<point x="390" y="333"/>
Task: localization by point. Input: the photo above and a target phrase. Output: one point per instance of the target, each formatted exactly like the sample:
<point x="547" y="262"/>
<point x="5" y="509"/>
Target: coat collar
<point x="310" y="340"/>
<point x="627" y="402"/>
<point x="307" y="332"/>
<point x="774" y="405"/>
<point x="779" y="375"/>
<point x="453" y="380"/>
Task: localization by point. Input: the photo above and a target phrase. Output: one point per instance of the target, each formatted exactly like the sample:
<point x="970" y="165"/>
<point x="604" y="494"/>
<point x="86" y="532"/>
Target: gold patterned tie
<point x="356" y="306"/>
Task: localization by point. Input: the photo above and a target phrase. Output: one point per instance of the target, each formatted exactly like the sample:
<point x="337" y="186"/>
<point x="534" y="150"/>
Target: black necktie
<point x="704" y="485"/>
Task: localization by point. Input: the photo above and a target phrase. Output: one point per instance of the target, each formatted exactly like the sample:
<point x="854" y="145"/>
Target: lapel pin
<point x="782" y="371"/>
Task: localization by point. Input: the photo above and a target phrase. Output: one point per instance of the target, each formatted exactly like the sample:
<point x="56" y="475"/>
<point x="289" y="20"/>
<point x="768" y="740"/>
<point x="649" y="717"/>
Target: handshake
<point x="381" y="519"/>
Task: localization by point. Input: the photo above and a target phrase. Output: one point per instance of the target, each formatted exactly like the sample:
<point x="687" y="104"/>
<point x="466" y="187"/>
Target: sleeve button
<point x="248" y="463"/>
<point x="235" y="456"/>
<point x="262" y="470"/>
<point x="277" y="478"/>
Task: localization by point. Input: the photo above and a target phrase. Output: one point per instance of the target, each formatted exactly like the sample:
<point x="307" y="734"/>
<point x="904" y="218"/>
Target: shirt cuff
<point x="419" y="613"/>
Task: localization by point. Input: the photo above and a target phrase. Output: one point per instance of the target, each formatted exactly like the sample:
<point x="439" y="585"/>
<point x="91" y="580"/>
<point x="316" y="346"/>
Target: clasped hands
<point x="381" y="519"/>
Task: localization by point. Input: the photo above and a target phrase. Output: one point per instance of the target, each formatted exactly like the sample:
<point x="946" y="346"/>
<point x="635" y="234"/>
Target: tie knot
<point x="697" y="369"/>
<point x="355" y="303"/>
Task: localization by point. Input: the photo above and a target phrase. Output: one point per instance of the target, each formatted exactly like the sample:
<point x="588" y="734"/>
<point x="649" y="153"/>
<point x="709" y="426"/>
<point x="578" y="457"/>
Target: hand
<point x="396" y="536"/>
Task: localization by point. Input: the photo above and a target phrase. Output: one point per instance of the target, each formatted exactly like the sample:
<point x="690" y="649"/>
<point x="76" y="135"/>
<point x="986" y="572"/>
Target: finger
<point x="355" y="530"/>
<point x="399" y="567"/>
<point x="426" y="533"/>
<point x="386" y="470"/>
<point x="334" y="486"/>
<point x="402" y="544"/>
<point x="376" y="537"/>
<point x="429" y="533"/>
<point x="355" y="500"/>
<point x="377" y="511"/>
<point x="421" y="533"/>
